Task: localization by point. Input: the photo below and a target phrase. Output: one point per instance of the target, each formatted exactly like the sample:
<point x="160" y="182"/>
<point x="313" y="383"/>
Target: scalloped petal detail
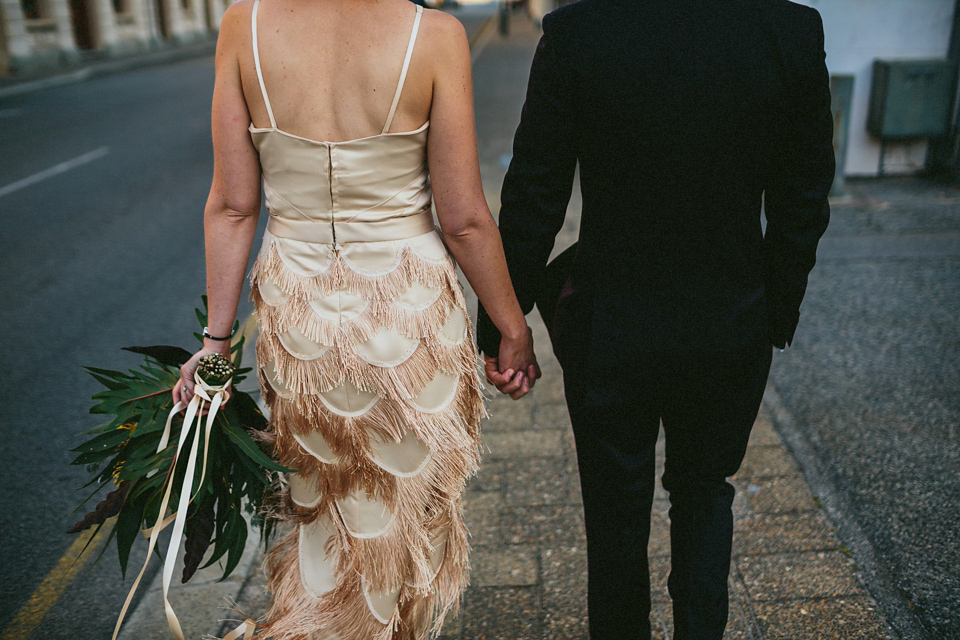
<point x="454" y="330"/>
<point x="303" y="490"/>
<point x="429" y="247"/>
<point x="348" y="401"/>
<point x="382" y="604"/>
<point x="437" y="395"/>
<point x="341" y="306"/>
<point x="388" y="348"/>
<point x="438" y="549"/>
<point x="403" y="459"/>
<point x="363" y="516"/>
<point x="300" y="346"/>
<point x="270" y="373"/>
<point x="317" y="567"/>
<point x="373" y="258"/>
<point x="317" y="446"/>
<point x="304" y="258"/>
<point x="272" y="294"/>
<point x="418" y="297"/>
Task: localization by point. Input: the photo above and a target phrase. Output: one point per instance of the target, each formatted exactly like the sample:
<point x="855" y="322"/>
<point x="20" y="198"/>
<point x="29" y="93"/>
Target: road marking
<point x="31" y="614"/>
<point x="55" y="170"/>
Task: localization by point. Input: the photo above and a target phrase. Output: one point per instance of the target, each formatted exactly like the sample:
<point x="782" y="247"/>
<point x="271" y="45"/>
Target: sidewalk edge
<point x="894" y="607"/>
<point x="109" y="67"/>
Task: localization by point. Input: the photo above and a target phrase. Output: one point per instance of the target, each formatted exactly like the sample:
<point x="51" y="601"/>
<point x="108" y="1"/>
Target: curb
<point x="899" y="615"/>
<point x="109" y="67"/>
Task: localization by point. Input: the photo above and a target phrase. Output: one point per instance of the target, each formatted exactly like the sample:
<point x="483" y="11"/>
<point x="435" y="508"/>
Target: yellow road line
<point x="31" y="614"/>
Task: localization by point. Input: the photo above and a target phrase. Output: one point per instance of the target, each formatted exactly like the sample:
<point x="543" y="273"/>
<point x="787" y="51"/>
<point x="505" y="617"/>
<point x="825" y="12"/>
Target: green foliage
<point x="122" y="454"/>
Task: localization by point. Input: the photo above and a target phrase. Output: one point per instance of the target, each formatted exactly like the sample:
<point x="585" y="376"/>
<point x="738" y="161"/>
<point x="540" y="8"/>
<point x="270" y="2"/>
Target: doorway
<point x="82" y="27"/>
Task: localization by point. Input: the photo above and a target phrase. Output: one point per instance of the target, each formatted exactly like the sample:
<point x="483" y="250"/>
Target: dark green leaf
<point x="127" y="529"/>
<point x="164" y="354"/>
<point x="108" y="440"/>
<point x="248" y="412"/>
<point x="239" y="531"/>
<point x="249" y="448"/>
<point x="108" y="377"/>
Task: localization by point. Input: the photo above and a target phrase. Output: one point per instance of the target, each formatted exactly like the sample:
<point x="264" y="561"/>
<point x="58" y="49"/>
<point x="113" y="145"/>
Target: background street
<point x="108" y="252"/>
<point x="105" y="255"/>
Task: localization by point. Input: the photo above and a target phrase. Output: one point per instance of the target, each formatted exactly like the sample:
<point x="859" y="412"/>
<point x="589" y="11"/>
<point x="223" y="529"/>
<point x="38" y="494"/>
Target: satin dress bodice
<point x="368" y="189"/>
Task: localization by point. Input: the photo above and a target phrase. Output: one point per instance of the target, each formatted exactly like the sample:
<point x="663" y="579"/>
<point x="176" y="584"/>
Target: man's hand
<point x="516" y="384"/>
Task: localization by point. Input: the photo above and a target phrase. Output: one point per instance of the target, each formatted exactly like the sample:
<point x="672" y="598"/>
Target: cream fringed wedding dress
<point x="368" y="366"/>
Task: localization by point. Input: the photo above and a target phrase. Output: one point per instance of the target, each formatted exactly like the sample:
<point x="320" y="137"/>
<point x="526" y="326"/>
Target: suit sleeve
<point x="536" y="189"/>
<point x="795" y="198"/>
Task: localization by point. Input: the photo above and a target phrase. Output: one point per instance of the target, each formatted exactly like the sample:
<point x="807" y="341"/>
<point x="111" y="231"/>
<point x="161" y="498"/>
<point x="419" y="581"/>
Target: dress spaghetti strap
<point x="403" y="71"/>
<point x="256" y="62"/>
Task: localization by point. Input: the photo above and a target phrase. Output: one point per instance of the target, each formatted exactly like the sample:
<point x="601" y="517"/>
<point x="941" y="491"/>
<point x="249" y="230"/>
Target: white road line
<point x="55" y="170"/>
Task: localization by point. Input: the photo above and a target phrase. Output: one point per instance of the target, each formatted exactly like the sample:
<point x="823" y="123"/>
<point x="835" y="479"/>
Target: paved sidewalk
<point x="791" y="577"/>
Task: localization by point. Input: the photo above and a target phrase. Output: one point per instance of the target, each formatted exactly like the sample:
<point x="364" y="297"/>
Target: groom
<point x="685" y="117"/>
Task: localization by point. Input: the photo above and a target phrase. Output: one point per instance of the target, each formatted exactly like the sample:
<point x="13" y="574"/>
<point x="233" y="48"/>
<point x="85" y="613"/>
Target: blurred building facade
<point x="43" y="35"/>
<point x="859" y="32"/>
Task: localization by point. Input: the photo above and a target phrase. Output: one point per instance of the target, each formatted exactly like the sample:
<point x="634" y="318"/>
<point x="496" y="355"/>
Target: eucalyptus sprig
<point x="122" y="454"/>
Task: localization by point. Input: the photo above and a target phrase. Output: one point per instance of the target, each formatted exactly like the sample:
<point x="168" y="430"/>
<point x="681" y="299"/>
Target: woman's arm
<point x="230" y="216"/>
<point x="465" y="221"/>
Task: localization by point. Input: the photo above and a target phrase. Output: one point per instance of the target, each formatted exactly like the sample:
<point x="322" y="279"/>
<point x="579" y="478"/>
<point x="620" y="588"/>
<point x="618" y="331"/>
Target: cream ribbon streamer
<point x="247" y="627"/>
<point x="203" y="393"/>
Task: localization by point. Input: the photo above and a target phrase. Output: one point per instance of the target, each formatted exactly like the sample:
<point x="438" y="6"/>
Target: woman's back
<point x="331" y="68"/>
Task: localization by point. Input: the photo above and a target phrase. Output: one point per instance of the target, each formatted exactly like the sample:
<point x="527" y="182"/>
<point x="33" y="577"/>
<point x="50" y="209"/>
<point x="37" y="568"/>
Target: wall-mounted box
<point x="911" y="98"/>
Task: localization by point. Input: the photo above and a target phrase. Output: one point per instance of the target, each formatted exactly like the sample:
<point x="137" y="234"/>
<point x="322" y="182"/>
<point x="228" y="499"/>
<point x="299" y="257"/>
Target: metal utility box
<point x="911" y="98"/>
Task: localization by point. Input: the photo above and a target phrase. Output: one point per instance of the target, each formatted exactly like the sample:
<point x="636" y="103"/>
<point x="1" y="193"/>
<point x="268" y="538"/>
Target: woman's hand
<point x="515" y="370"/>
<point x="183" y="390"/>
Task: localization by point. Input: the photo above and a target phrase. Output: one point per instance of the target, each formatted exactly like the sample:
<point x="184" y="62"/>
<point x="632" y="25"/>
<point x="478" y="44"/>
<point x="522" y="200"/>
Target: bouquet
<point x="141" y="454"/>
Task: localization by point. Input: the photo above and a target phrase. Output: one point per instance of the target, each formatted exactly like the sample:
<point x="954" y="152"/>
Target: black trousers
<point x="707" y="399"/>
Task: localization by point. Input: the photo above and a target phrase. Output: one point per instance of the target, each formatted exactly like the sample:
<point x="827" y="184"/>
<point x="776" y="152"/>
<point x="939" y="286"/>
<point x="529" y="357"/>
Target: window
<point x="31" y="9"/>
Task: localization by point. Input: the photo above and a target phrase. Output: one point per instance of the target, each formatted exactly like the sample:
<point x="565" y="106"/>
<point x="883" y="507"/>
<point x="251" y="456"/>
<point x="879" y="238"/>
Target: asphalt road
<point x="103" y="255"/>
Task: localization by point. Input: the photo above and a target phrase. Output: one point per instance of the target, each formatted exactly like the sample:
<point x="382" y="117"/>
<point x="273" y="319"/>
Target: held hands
<point x="515" y="370"/>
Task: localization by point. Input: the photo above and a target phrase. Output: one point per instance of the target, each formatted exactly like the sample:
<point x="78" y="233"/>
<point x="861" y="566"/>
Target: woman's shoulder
<point x="235" y="23"/>
<point x="442" y="38"/>
<point x="440" y="29"/>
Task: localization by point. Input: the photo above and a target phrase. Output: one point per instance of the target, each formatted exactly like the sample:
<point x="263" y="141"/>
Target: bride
<point x="356" y="116"/>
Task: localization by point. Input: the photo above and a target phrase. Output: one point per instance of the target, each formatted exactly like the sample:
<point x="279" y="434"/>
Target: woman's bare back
<point x="331" y="68"/>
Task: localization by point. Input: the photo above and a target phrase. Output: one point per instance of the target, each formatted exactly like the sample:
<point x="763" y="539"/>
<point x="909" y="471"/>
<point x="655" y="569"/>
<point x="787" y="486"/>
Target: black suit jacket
<point x="686" y="117"/>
